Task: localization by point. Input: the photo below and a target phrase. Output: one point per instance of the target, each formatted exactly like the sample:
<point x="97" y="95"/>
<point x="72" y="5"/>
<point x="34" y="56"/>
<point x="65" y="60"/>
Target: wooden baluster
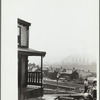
<point x="40" y="77"/>
<point x="36" y="77"/>
<point x="29" y="77"/>
<point x="33" y="77"/>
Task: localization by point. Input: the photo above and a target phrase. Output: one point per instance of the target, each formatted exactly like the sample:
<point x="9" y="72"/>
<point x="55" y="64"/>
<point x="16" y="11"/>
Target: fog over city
<point x="59" y="27"/>
<point x="63" y="28"/>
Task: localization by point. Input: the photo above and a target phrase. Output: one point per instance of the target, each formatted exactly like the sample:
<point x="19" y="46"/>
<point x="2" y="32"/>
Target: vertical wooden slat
<point x="38" y="77"/>
<point x="29" y="77"/>
<point x="33" y="77"/>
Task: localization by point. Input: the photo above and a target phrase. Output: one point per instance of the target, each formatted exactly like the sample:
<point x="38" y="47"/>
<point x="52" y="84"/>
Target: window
<point x="19" y="35"/>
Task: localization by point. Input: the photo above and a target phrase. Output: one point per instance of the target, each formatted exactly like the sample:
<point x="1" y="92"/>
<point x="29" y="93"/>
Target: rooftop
<point x="30" y="52"/>
<point x="20" y="21"/>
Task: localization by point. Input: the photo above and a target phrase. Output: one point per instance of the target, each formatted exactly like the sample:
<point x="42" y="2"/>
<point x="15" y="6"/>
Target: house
<point x="67" y="73"/>
<point x="83" y="73"/>
<point x="26" y="78"/>
<point x="32" y="68"/>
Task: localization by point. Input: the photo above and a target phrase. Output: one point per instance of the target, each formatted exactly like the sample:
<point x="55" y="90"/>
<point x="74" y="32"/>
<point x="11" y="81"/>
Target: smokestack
<point x="87" y="61"/>
<point x="73" y="60"/>
<point x="76" y="60"/>
<point x="83" y="60"/>
<point x="80" y="60"/>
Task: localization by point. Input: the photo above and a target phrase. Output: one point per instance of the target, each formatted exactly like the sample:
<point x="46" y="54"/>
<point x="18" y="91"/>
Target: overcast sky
<point x="60" y="27"/>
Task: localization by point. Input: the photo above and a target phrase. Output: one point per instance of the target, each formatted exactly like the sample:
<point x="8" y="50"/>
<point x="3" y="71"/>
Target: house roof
<point x="20" y="21"/>
<point x="33" y="69"/>
<point x="30" y="52"/>
<point x="67" y="72"/>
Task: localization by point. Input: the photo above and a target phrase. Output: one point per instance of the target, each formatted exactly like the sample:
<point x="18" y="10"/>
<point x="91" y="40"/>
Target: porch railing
<point x="34" y="78"/>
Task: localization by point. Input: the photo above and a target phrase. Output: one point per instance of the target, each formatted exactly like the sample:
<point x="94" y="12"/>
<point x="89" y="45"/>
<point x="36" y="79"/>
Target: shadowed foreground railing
<point x="32" y="93"/>
<point x="34" y="78"/>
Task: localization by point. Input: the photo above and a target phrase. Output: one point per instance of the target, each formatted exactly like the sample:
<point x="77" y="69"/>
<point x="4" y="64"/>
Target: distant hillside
<point x="79" y="59"/>
<point x="82" y="62"/>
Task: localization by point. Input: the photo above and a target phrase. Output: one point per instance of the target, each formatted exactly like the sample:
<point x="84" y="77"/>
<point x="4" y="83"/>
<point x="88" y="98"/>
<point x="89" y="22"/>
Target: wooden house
<point x="26" y="78"/>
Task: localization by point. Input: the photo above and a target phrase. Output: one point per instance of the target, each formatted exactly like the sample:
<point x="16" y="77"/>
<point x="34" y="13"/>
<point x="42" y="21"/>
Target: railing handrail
<point x="34" y="72"/>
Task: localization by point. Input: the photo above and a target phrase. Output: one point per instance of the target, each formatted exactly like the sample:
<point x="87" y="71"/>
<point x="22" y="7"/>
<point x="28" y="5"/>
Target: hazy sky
<point x="60" y="27"/>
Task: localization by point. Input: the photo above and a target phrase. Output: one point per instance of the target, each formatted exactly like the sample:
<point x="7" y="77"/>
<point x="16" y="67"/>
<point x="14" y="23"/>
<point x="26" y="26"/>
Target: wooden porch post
<point x="41" y="69"/>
